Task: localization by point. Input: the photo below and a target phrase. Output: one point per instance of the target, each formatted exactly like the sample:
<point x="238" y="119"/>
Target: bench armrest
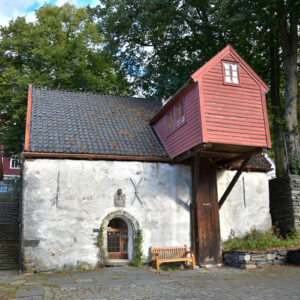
<point x="154" y="256"/>
<point x="190" y="252"/>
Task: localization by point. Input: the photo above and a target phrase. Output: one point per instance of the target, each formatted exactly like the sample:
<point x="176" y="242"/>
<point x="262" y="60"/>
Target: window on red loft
<point x="176" y="116"/>
<point x="231" y="74"/>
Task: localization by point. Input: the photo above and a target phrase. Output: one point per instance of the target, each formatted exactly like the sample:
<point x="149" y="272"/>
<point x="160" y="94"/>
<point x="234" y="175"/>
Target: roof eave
<point x="28" y="154"/>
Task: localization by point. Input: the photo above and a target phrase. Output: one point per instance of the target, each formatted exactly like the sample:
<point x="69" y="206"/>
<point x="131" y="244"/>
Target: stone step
<point x="10" y="259"/>
<point x="118" y="262"/>
<point x="8" y="250"/>
<point x="10" y="253"/>
<point x="9" y="266"/>
<point x="6" y="244"/>
<point x="10" y="232"/>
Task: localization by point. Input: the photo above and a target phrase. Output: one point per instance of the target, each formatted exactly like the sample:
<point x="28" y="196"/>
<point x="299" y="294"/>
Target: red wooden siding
<point x="6" y="167"/>
<point x="188" y="135"/>
<point x="233" y="114"/>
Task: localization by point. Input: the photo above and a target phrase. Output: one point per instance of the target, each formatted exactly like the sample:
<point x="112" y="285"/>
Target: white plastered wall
<point x="60" y="216"/>
<point x="247" y="206"/>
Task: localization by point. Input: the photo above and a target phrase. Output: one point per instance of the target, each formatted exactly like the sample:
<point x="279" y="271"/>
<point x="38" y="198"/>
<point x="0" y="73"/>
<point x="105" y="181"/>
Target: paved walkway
<point x="145" y="283"/>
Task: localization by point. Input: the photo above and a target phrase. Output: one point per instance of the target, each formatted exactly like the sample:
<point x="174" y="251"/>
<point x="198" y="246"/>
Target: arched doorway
<point x="132" y="226"/>
<point x="117" y="239"/>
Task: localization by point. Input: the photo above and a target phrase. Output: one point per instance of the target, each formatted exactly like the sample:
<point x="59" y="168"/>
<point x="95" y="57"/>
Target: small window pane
<point x="227" y="72"/>
<point x="124" y="234"/>
<point x="226" y="66"/>
<point x="234" y="74"/>
<point x="172" y="119"/>
<point x="235" y="80"/>
<point x="125" y="247"/>
<point x="234" y="67"/>
<point x="182" y="112"/>
<point x="178" y="114"/>
<point x="227" y="79"/>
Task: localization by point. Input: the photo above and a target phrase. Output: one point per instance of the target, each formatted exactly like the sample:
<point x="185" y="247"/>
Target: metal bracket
<point x="57" y="191"/>
<point x="136" y="192"/>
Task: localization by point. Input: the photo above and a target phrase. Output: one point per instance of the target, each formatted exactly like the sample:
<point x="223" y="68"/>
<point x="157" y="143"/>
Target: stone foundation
<point x="285" y="202"/>
<point x="252" y="260"/>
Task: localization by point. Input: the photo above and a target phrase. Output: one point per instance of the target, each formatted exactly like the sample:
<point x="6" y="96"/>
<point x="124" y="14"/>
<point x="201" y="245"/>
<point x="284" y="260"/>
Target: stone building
<point x="104" y="167"/>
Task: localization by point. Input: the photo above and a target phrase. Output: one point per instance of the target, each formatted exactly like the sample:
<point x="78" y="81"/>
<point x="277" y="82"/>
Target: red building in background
<point x="9" y="171"/>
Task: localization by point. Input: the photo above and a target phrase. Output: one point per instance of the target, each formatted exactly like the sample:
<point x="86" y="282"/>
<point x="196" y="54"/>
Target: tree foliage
<point x="63" y="50"/>
<point x="158" y="42"/>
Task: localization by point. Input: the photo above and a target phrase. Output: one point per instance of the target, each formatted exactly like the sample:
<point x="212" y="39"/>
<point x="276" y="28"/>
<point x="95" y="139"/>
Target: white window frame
<point x="12" y="159"/>
<point x="231" y="73"/>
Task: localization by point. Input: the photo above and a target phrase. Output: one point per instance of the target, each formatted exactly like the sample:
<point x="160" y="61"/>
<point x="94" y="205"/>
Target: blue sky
<point x="10" y="9"/>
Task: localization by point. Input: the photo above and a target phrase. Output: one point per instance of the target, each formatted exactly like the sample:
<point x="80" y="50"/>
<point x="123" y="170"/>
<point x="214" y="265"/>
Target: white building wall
<point x="59" y="223"/>
<point x="60" y="216"/>
<point x="247" y="206"/>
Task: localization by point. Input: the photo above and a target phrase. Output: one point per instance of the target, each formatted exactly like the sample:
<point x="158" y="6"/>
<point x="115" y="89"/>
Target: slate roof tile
<point x="78" y="122"/>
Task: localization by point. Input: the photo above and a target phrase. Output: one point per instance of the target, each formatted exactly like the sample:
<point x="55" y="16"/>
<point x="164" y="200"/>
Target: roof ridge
<point x="88" y="92"/>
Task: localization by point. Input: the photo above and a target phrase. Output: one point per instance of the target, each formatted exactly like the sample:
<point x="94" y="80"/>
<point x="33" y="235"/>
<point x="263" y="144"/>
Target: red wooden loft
<point x="219" y="115"/>
<point x="220" y="112"/>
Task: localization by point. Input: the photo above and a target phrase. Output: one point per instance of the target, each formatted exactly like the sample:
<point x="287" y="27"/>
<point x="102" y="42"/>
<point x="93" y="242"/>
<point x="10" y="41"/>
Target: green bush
<point x="259" y="240"/>
<point x="137" y="249"/>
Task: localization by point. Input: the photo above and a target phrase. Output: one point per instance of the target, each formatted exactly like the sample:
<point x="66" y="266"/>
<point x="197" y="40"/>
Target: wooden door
<point x="117" y="243"/>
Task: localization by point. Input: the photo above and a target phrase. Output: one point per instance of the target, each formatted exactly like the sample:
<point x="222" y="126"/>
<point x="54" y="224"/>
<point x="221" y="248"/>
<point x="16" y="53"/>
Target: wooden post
<point x="206" y="226"/>
<point x="195" y="175"/>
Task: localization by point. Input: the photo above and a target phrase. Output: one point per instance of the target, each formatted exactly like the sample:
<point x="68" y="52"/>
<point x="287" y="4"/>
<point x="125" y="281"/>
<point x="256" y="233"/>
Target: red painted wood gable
<point x="235" y="113"/>
<point x="218" y="112"/>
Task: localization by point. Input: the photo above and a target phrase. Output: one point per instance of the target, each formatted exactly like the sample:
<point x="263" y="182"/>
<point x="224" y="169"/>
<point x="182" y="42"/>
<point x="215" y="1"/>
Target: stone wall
<point x="253" y="260"/>
<point x="285" y="202"/>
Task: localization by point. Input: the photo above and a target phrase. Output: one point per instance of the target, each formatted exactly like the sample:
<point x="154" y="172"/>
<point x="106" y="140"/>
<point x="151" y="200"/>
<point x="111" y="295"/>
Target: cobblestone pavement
<point x="145" y="283"/>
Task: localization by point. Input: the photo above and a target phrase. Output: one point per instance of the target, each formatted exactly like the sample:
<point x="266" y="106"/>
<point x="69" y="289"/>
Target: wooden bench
<point x="172" y="254"/>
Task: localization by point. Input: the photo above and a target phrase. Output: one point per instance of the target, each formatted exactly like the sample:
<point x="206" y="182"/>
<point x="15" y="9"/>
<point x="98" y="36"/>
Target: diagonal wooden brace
<point x="233" y="181"/>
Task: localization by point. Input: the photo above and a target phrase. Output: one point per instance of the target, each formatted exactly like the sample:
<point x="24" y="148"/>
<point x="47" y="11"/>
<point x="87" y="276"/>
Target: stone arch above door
<point x="132" y="225"/>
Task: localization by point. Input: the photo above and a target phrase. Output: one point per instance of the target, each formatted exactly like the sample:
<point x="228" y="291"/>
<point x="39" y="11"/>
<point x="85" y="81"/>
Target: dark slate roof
<point x="78" y="122"/>
<point x="256" y="163"/>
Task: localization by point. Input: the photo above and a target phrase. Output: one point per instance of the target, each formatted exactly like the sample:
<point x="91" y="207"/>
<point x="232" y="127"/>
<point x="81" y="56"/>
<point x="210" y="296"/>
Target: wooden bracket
<point x="233" y="181"/>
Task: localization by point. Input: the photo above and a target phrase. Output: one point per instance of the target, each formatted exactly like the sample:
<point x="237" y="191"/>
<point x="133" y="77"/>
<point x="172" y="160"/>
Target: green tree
<point x="159" y="43"/>
<point x="63" y="50"/>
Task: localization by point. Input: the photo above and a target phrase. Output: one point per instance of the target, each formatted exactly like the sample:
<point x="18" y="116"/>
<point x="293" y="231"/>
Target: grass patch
<point x="262" y="240"/>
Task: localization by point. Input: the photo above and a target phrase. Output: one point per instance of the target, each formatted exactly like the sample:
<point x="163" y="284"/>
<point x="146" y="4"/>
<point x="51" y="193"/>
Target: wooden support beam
<point x="233" y="181"/>
<point x="192" y="152"/>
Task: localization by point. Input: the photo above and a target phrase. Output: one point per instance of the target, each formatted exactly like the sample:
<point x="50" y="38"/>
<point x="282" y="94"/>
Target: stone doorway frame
<point x="132" y="225"/>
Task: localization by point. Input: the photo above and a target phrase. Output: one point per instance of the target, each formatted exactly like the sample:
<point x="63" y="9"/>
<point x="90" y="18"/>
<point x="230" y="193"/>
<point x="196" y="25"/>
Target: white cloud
<point x="14" y="8"/>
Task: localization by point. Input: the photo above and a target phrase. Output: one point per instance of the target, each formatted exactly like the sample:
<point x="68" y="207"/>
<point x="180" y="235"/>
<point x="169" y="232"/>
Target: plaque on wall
<point x="119" y="199"/>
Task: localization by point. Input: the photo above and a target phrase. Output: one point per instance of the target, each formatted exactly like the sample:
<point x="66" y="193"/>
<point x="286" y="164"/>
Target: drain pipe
<point x="20" y="219"/>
